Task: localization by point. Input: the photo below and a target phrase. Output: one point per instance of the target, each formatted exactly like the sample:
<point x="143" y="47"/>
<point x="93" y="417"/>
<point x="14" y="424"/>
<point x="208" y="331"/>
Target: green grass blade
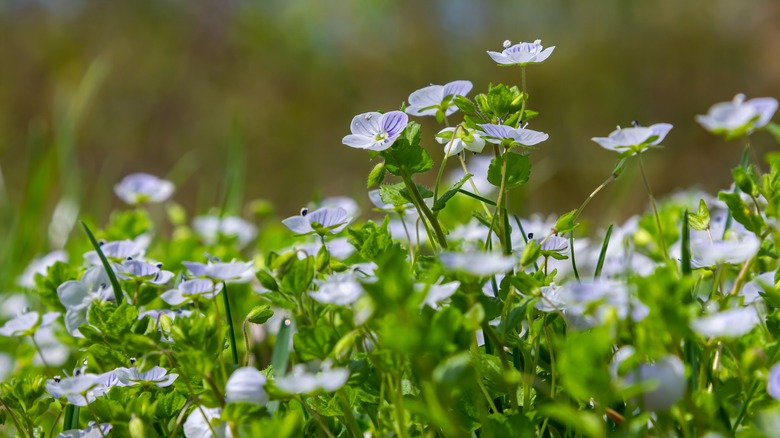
<point x="281" y="353"/>
<point x="68" y="417"/>
<point x="106" y="265"/>
<point x="686" y="245"/>
<point x="477" y="197"/>
<point x="231" y="330"/>
<point x="603" y="253"/>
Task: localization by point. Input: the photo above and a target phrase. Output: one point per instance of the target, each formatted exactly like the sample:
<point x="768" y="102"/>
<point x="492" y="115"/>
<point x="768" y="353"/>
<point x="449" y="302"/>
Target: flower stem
<point x="473" y="185"/>
<point x="655" y="209"/>
<point x="444" y="162"/>
<point x="94" y="417"/>
<point x="349" y="417"/>
<point x="40" y="352"/>
<point x="423" y="207"/>
<point x="744" y="164"/>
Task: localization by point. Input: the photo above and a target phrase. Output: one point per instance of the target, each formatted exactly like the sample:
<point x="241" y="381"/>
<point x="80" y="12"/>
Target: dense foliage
<point x="447" y="316"/>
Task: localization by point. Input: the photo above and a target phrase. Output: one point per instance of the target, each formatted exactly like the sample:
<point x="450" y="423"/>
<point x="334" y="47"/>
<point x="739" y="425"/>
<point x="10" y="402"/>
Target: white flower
<point x="428" y="101"/>
<point x="197" y="424"/>
<point x="27" y="323"/>
<point x="477" y="166"/>
<point x="348" y="204"/>
<point x="41" y="266"/>
<point x="341" y="289"/>
<point x="516" y="136"/>
<point x="209" y="228"/>
<point x="138" y="188"/>
<point x="77" y="296"/>
<point x="588" y="303"/>
<point x="465" y="138"/>
<point x="222" y="271"/>
<point x="666" y="376"/>
<point x="321" y="221"/>
<point x="191" y="289"/>
<point x="157" y="376"/>
<point x="773" y="382"/>
<point x="738" y="117"/>
<point x="72" y="386"/>
<point x="301" y="381"/>
<point x="437" y="293"/>
<point x="119" y="251"/>
<point x="143" y="272"/>
<point x="751" y="289"/>
<point x="732" y="251"/>
<point x="634" y="139"/>
<point x="480" y="264"/>
<point x="93" y="431"/>
<point x="554" y="244"/>
<point x="246" y="385"/>
<point x="375" y="131"/>
<point x="552" y="300"/>
<point x="731" y="323"/>
<point x="522" y="53"/>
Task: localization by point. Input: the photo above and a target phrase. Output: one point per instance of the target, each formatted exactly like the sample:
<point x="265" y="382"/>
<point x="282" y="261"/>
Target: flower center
<point x="382" y="136"/>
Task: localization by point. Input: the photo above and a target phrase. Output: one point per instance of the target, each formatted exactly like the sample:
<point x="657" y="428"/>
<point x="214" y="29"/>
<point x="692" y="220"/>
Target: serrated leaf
<point x="518" y="170"/>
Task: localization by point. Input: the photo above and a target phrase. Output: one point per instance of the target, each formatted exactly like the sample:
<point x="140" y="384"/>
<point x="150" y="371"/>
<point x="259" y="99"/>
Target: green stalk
<point x="743" y="163"/>
<point x="444" y="162"/>
<point x="603" y="253"/>
<point x="655" y="210"/>
<point x="573" y="262"/>
<point x="231" y="331"/>
<point x="349" y="417"/>
<point x="68" y="417"/>
<point x="423" y="207"/>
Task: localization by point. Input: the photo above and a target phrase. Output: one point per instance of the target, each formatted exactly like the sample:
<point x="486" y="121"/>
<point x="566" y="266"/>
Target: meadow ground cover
<point x="447" y="316"/>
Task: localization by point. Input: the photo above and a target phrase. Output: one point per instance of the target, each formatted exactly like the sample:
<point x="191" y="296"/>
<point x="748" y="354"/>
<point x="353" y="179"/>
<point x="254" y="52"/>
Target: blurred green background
<point x="199" y="91"/>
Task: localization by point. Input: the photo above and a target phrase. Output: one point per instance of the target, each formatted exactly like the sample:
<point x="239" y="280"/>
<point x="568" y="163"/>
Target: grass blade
<point x="281" y="353"/>
<point x="686" y="245"/>
<point x="477" y="197"/>
<point x="573" y="262"/>
<point x="603" y="253"/>
<point x="106" y="265"/>
<point x="231" y="331"/>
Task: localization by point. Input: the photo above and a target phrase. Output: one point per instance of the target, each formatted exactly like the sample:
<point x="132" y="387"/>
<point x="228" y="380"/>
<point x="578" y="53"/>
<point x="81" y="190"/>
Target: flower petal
<point x="298" y="224"/>
<point x="367" y="124"/>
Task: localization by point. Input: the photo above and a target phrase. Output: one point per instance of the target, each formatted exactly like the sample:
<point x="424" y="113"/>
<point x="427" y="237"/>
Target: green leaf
<point x="298" y="276"/>
<point x="406" y="157"/>
<point x="741" y="213"/>
<point x="377" y="175"/>
<point x="281" y="353"/>
<point x="442" y="201"/>
<point x="315" y="342"/>
<point x="46" y="286"/>
<point x="371" y="239"/>
<point x="531" y="252"/>
<point x="603" y="253"/>
<point x="267" y="280"/>
<point x="565" y="223"/>
<point x="465" y="105"/>
<point x="518" y="170"/>
<point x="398" y="194"/>
<point x="700" y="220"/>
<point x="260" y="314"/>
<point x="746" y="179"/>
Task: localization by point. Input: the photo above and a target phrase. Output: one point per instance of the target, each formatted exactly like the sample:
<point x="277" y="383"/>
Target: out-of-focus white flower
<point x="209" y="228"/>
<point x="437" y="293"/>
<point x="731" y="323"/>
<point x="430" y="100"/>
<point x="302" y="381"/>
<point x="246" y="385"/>
<point x="738" y="117"/>
<point x="119" y="250"/>
<point x="92" y="431"/>
<point x="734" y="250"/>
<point x="348" y="204"/>
<point x="341" y="289"/>
<point x="480" y="264"/>
<point x="197" y="424"/>
<point x="191" y="290"/>
<point x="666" y="376"/>
<point x="27" y="323"/>
<point x="773" y="382"/>
<point x="752" y="288"/>
<point x="222" y="271"/>
<point x="139" y="188"/>
<point x="40" y="265"/>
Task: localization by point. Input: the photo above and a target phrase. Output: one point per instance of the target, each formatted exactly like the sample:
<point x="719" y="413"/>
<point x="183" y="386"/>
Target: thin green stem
<point x="444" y="162"/>
<point x="434" y="223"/>
<point x="349" y="417"/>
<point x="743" y="162"/>
<point x="655" y="209"/>
<point x="473" y="185"/>
<point x="40" y="352"/>
<point x="94" y="417"/>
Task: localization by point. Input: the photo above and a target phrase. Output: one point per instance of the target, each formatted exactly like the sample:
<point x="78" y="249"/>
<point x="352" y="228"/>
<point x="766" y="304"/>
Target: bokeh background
<point x="263" y="91"/>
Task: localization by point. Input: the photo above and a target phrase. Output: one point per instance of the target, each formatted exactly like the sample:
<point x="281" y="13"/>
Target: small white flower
<point x="517" y="136"/>
<point x="246" y="385"/>
<point x="41" y="266"/>
<point x="752" y="288"/>
<point x="157" y="376"/>
<point x="437" y="293"/>
<point x="348" y="204"/>
<point x="301" y="381"/>
<point x="222" y="271"/>
<point x="634" y="139"/>
<point x="374" y="131"/>
<point x="93" y="431"/>
<point x="738" y="117"/>
<point x="72" y="386"/>
<point x="428" y="101"/>
<point x="477" y="166"/>
<point x="736" y="250"/>
<point x="197" y="424"/>
<point x="773" y="382"/>
<point x="731" y="323"/>
<point x="77" y="296"/>
<point x="209" y="228"/>
<point x="139" y="188"/>
<point x="522" y="53"/>
<point x="119" y="251"/>
<point x="341" y="289"/>
<point x="191" y="290"/>
<point x="554" y="244"/>
<point x="27" y="323"/>
<point x="666" y="377"/>
<point x="143" y="272"/>
<point x="321" y="221"/>
<point x="465" y="138"/>
<point x="480" y="264"/>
